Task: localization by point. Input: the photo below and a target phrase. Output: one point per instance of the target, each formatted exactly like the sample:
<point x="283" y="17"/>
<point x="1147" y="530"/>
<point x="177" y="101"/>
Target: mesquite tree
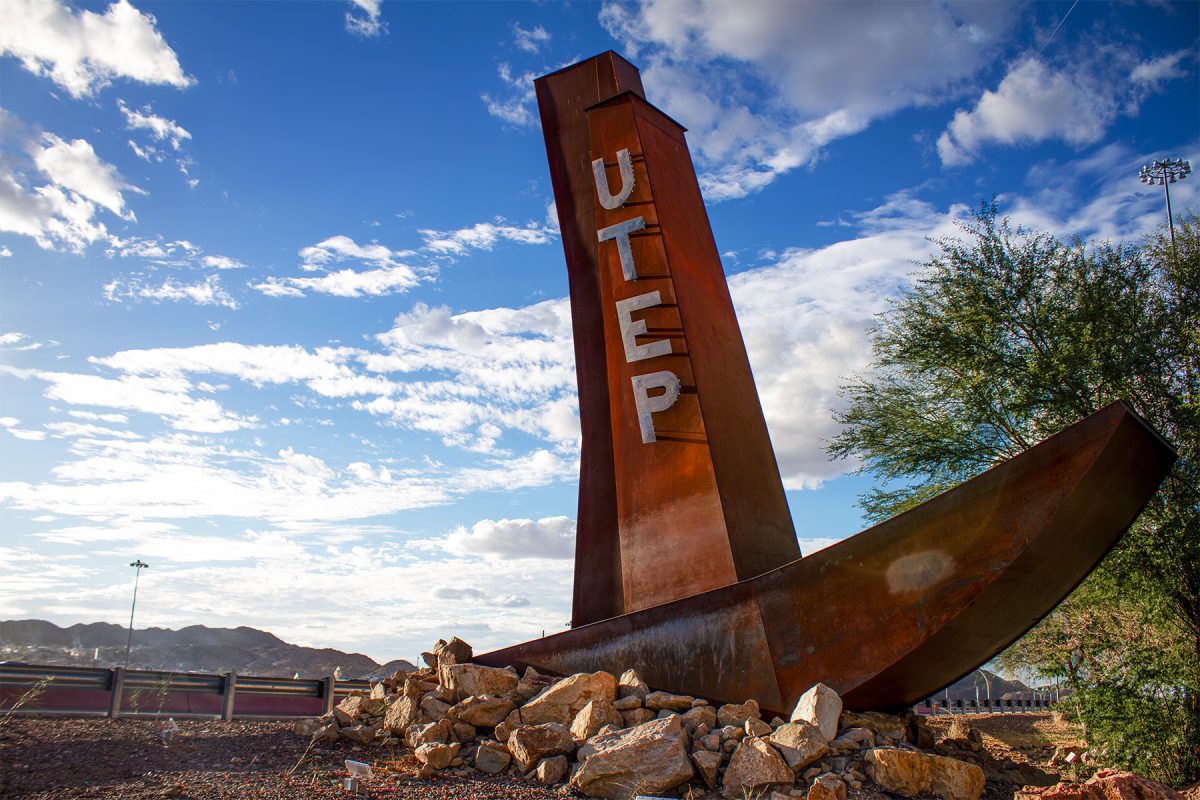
<point x="1004" y="337"/>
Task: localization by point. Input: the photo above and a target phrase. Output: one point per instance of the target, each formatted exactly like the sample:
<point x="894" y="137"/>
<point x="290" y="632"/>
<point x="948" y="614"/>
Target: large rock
<point x="562" y="701"/>
<point x="529" y="744"/>
<point x="418" y="735"/>
<point x="707" y="763"/>
<point x="756" y="766"/>
<point x="736" y="714"/>
<point x="482" y="712"/>
<point x="800" y="744"/>
<point x="645" y="759"/>
<point x="877" y="723"/>
<point x="464" y="680"/>
<point x="437" y="755"/>
<point x="821" y="706"/>
<point x="700" y="715"/>
<point x="1107" y="784"/>
<point x="657" y="701"/>
<point x="594" y="716"/>
<point x="911" y="773"/>
<point x="433" y="708"/>
<point x="631" y="685"/>
<point x="637" y="716"/>
<point x="403" y="714"/>
<point x="551" y="770"/>
<point x="359" y="734"/>
<point x="827" y="787"/>
<point x="492" y="757"/>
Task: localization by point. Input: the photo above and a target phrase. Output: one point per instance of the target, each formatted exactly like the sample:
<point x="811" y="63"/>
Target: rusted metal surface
<point x="686" y="566"/>
<point x="695" y="499"/>
<point x="906" y="607"/>
<point x="562" y="98"/>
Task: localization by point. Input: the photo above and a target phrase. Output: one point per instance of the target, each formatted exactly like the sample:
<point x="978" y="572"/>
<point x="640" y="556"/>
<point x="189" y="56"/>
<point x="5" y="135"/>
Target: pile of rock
<point x="613" y="737"/>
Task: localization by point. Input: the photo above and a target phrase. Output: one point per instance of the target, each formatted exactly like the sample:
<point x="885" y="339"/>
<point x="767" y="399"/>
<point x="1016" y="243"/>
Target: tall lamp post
<point x="1165" y="173"/>
<point x="138" y="565"/>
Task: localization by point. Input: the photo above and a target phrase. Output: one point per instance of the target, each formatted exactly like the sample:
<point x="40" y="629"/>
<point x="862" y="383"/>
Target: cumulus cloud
<point x="485" y="236"/>
<point x="1035" y="102"/>
<point x="84" y="51"/>
<point x="205" y="292"/>
<point x="389" y="276"/>
<point x="763" y="87"/>
<point x="549" y="537"/>
<point x="529" y="40"/>
<point x="515" y="103"/>
<point x="364" y="20"/>
<point x="161" y="128"/>
<point x="61" y="213"/>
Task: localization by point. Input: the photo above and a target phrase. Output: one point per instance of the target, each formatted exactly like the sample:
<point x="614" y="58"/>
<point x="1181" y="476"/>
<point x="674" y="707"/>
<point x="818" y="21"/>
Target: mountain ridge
<point x="194" y="648"/>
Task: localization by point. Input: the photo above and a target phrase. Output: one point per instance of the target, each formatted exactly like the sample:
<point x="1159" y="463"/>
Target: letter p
<point x="647" y="405"/>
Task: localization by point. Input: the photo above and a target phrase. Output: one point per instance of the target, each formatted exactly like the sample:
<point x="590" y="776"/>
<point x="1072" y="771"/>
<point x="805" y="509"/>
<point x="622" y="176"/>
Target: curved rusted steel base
<point x="902" y="609"/>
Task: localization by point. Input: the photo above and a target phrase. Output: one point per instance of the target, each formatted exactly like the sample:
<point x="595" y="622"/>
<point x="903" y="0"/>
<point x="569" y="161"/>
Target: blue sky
<point x="283" y="302"/>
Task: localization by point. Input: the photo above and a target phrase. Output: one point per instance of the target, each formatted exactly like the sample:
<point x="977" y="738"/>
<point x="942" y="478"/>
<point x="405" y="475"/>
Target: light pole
<point x="138" y="565"/>
<point x="1165" y="173"/>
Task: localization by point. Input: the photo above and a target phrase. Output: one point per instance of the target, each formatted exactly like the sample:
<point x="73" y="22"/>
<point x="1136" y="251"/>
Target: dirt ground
<point x="1030" y="738"/>
<point x="126" y="759"/>
<point x="54" y="758"/>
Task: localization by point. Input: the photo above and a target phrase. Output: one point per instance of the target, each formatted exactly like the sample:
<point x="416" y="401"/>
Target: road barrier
<point x="944" y="706"/>
<point x="120" y="692"/>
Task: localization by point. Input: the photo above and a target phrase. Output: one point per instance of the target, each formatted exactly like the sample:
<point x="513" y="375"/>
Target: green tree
<point x="1004" y="337"/>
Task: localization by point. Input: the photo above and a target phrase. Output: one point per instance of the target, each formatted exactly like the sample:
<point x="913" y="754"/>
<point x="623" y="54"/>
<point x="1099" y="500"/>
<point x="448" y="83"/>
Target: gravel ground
<point x="126" y="759"/>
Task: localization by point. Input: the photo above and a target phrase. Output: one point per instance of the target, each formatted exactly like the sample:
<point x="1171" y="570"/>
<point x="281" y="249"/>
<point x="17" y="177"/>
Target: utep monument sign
<point x="686" y="562"/>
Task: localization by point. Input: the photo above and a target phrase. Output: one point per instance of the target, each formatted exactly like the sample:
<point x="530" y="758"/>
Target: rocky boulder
<point x="1107" y="784"/>
<point x="827" y="787"/>
<point x="800" y="744"/>
<point x="486" y="711"/>
<point x="529" y="744"/>
<point x="755" y="767"/>
<point x="402" y="714"/>
<point x="552" y="770"/>
<point x="632" y="685"/>
<point x="492" y="757"/>
<point x="822" y="707"/>
<point x="736" y="714"/>
<point x="911" y="773"/>
<point x="437" y="755"/>
<point x="646" y="759"/>
<point x="465" y="680"/>
<point x="594" y="716"/>
<point x="562" y="701"/>
<point x="657" y="701"/>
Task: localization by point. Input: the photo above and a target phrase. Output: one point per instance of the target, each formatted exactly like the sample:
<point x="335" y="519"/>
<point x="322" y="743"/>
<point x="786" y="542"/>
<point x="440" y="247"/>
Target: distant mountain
<point x="196" y="648"/>
<point x="1000" y="688"/>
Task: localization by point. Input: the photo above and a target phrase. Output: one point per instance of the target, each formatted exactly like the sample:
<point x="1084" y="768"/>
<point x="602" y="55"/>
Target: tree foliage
<point x="1005" y="337"/>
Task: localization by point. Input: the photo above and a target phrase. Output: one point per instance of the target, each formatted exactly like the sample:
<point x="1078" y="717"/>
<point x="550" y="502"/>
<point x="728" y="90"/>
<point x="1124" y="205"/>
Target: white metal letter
<point x="647" y="405"/>
<point x="607" y="199"/>
<point x="621" y="232"/>
<point x="631" y="328"/>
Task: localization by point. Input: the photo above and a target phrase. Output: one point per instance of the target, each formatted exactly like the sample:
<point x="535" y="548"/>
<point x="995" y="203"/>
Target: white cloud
<point x="549" y="537"/>
<point x="62" y="212"/>
<point x="14" y="340"/>
<point x="516" y="105"/>
<point x="161" y="128"/>
<point x="763" y="87"/>
<point x="10" y="424"/>
<point x="5" y="252"/>
<point x="222" y="262"/>
<point x="485" y="236"/>
<point x="163" y="397"/>
<point x="83" y="52"/>
<point x="390" y="275"/>
<point x="205" y="292"/>
<point x="530" y="40"/>
<point x="1035" y="102"/>
<point x="365" y="20"/>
